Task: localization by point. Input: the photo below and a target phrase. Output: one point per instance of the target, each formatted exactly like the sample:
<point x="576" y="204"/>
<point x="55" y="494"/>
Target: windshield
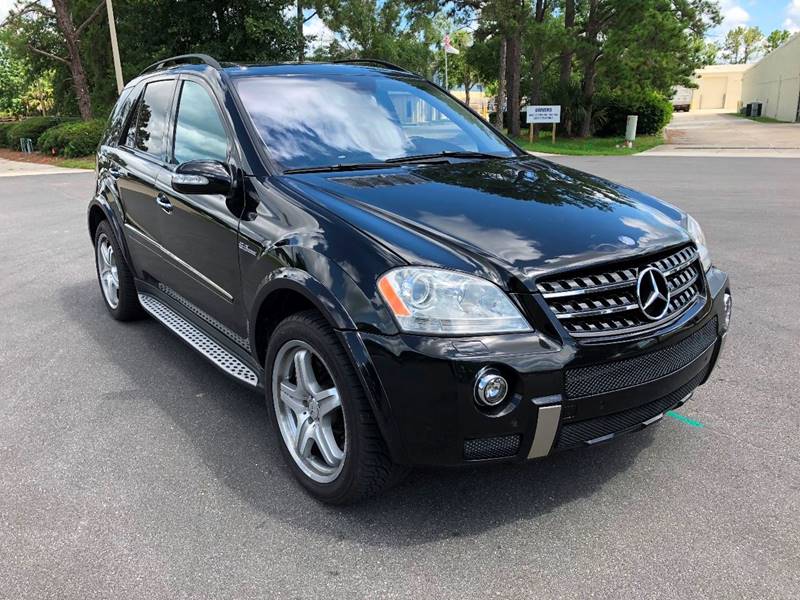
<point x="331" y="120"/>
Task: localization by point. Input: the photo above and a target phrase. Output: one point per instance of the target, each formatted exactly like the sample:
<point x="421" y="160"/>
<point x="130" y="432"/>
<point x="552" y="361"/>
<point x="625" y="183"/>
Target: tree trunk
<point x="565" y="74"/>
<point x="537" y="59"/>
<point x="71" y="41"/>
<point x="467" y="86"/>
<point x="589" y="75"/>
<point x="590" y="58"/>
<point x="501" y="84"/>
<point x="301" y="40"/>
<point x="513" y="64"/>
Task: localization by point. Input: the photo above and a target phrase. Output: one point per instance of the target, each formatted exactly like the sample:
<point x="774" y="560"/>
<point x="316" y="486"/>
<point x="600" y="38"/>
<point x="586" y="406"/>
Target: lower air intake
<point x="493" y="447"/>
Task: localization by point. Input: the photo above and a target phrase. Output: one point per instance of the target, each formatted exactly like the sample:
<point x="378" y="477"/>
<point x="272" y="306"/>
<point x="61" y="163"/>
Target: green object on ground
<point x="686" y="420"/>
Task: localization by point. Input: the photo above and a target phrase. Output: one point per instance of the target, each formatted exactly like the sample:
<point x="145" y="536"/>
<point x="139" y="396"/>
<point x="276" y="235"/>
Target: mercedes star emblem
<point x="653" y="292"/>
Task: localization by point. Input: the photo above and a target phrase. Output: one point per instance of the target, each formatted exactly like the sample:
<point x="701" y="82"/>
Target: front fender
<point x="302" y="282"/>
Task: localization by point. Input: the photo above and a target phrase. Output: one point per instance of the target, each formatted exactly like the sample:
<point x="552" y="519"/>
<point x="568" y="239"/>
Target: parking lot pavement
<point x="710" y="134"/>
<point x="130" y="468"/>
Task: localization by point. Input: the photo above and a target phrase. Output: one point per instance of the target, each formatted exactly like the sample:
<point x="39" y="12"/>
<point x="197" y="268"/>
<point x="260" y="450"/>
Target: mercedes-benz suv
<point x="403" y="283"/>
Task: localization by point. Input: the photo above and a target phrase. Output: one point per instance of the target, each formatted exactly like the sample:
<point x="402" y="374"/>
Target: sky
<point x="765" y="14"/>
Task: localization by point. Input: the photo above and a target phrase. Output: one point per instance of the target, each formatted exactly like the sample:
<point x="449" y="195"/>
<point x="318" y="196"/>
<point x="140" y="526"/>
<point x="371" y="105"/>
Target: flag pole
<point x="446" y="82"/>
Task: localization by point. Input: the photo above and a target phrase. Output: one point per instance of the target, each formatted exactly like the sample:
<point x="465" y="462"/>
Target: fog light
<point x="728" y="310"/>
<point x="490" y="388"/>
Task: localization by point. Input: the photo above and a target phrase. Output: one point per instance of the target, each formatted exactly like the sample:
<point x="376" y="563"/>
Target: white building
<point x="719" y="87"/>
<point x="775" y="82"/>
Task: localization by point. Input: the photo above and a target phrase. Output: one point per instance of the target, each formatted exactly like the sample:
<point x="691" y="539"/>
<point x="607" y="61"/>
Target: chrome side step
<point x="198" y="340"/>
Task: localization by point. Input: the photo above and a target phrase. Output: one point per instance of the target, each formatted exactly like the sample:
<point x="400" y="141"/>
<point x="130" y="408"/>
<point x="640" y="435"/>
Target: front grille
<point x="576" y="434"/>
<point x="493" y="447"/>
<point x="602" y="302"/>
<point x="617" y="375"/>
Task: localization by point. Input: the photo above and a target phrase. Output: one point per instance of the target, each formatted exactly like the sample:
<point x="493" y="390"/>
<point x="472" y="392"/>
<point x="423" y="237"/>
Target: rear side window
<point x="199" y="133"/>
<point x="118" y="118"/>
<point x="151" y="121"/>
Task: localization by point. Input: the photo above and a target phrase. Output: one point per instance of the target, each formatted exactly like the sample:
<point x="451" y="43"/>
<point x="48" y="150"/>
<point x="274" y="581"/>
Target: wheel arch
<point x="290" y="290"/>
<point x="100" y="209"/>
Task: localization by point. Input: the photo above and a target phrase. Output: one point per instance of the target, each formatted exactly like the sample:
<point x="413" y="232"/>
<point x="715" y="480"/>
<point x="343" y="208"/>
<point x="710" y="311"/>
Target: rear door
<point x="141" y="158"/>
<point x="200" y="233"/>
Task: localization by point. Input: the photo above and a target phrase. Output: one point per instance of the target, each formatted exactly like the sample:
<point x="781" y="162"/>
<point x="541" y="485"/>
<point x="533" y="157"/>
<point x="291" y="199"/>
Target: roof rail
<point x="182" y="59"/>
<point x="372" y="61"/>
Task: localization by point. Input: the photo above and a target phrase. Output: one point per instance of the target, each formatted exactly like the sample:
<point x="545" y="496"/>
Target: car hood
<point x="509" y="220"/>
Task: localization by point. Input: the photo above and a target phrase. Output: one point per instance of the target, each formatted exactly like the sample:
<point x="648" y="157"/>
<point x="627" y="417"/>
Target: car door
<point x="200" y="231"/>
<point x="139" y="161"/>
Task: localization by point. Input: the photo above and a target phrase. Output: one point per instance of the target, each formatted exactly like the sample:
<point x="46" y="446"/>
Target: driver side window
<point x="199" y="133"/>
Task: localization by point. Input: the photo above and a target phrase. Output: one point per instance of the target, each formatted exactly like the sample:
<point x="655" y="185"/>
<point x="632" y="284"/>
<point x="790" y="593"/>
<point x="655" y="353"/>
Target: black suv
<point x="404" y="284"/>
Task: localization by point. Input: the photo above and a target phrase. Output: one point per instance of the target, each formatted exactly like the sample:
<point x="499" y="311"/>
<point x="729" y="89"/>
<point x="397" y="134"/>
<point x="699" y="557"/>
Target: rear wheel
<point x="325" y="424"/>
<point x="116" y="280"/>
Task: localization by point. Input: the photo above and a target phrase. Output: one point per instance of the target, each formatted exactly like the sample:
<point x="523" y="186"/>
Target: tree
<point x="776" y="39"/>
<point x="58" y="22"/>
<point x="388" y="29"/>
<point x="39" y="95"/>
<point x="648" y="45"/>
<point x="741" y="44"/>
<point x="14" y="78"/>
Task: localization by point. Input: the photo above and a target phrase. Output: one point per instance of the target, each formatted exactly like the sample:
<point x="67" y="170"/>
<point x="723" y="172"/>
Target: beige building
<point x="775" y="82"/>
<point x="719" y="87"/>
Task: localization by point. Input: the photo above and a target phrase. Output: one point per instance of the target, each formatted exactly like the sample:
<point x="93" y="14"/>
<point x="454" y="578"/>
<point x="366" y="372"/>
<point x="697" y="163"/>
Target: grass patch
<point x="593" y="146"/>
<point x="84" y="162"/>
<point x="758" y="119"/>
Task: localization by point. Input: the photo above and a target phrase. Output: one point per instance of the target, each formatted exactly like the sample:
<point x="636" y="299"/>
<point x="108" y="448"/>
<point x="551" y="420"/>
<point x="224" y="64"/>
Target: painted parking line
<point x="686" y="420"/>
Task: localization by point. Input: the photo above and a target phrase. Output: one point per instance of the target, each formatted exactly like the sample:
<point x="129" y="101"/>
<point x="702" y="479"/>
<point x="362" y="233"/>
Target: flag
<point x="448" y="47"/>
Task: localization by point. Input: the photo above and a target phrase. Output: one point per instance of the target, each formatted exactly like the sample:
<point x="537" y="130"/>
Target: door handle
<point x="164" y="203"/>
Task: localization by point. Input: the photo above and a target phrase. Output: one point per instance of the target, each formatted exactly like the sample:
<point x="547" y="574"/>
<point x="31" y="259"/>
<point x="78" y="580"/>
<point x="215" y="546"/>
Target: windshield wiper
<point x="339" y="167"/>
<point x="444" y="154"/>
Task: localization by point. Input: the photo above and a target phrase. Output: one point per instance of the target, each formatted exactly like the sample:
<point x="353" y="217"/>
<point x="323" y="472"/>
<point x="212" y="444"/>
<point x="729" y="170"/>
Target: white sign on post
<point x="543" y="114"/>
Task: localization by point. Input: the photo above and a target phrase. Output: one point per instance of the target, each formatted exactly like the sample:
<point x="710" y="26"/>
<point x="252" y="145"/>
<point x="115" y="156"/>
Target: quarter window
<point x="151" y="122"/>
<point x="199" y="133"/>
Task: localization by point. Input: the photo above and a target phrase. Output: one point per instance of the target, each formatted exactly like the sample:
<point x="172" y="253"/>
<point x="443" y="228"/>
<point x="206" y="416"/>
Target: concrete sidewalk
<point x="12" y="168"/>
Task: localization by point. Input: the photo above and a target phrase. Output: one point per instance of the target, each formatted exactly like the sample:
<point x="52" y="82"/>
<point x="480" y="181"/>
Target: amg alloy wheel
<point x="309" y="411"/>
<point x="325" y="424"/>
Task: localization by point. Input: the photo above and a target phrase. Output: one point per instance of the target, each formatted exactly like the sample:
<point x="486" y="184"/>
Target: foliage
<point x="776" y="39"/>
<point x="73" y="138"/>
<point x="741" y="44"/>
<point x="653" y="109"/>
<point x="387" y="29"/>
<point x="14" y="78"/>
<point x="5" y="130"/>
<point x="29" y="128"/>
<point x="39" y="95"/>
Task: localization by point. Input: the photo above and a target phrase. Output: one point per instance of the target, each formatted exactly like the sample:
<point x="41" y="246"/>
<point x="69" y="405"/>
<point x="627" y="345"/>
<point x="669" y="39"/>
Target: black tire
<point x="128" y="307"/>
<point x="368" y="468"/>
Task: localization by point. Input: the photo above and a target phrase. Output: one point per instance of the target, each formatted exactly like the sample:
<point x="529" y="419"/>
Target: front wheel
<point x="327" y="431"/>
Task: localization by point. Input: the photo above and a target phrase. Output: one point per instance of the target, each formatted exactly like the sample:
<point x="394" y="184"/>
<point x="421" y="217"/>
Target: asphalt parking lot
<point x="131" y="468"/>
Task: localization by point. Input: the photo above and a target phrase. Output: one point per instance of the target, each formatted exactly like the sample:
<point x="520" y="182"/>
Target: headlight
<point x="699" y="238"/>
<point x="429" y="300"/>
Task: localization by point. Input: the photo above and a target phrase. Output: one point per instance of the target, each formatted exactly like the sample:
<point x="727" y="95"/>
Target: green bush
<point x="73" y="138"/>
<point x="654" y="110"/>
<point x="5" y="128"/>
<point x="30" y="128"/>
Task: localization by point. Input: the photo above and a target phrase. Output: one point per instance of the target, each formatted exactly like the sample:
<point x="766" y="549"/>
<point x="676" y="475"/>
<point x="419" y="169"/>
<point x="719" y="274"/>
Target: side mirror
<point x="202" y="177"/>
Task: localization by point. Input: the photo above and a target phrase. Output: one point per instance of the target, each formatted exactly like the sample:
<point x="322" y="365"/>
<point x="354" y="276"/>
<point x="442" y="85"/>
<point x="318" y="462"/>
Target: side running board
<point x="198" y="340"/>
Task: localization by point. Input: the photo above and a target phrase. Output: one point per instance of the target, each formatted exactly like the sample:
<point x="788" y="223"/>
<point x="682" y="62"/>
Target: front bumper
<point x="562" y="395"/>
